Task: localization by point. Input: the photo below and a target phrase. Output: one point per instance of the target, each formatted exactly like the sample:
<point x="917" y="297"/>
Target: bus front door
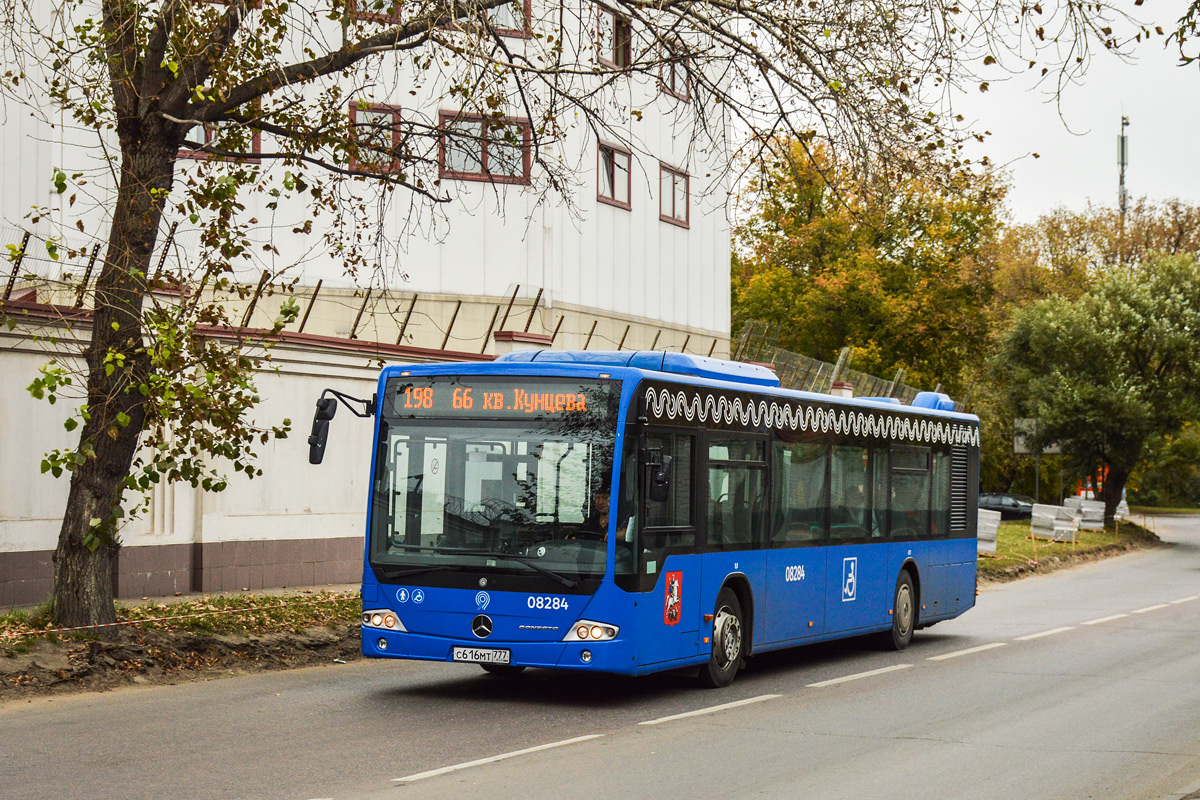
<point x="669" y="615"/>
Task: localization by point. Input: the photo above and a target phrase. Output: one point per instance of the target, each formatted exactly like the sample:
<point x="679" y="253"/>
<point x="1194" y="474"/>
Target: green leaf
<point x="70" y="424"/>
<point x="91" y="542"/>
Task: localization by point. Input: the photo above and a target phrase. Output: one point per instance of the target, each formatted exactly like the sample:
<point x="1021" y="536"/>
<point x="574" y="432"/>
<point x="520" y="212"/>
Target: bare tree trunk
<point x="1114" y="488"/>
<point x="83" y="587"/>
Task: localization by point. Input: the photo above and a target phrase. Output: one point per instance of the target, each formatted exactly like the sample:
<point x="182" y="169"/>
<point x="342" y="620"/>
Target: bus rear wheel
<point x="502" y="670"/>
<point x="904" y="614"/>
<point x="728" y="642"/>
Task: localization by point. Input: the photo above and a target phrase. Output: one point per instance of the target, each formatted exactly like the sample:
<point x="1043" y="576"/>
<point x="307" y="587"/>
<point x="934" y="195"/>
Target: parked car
<point x="1010" y="506"/>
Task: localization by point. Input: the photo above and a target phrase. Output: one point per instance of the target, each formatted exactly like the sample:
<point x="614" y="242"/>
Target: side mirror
<point x="660" y="480"/>
<point x="326" y="408"/>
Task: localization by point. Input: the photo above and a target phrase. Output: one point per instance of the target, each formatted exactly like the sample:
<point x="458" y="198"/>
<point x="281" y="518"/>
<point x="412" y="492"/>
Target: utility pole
<point x="1123" y="196"/>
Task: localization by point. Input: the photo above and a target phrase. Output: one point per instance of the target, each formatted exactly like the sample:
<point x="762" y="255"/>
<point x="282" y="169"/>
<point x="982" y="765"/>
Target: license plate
<point x="480" y="655"/>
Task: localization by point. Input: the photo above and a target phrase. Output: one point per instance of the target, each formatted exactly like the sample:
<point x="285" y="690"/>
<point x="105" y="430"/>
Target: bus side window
<point x="848" y="493"/>
<point x="677" y="510"/>
<point x="799" y="494"/>
<point x="668" y="527"/>
<point x="880" y="498"/>
<point x="910" y="492"/>
<point x="939" y="504"/>
<point x="736" y="492"/>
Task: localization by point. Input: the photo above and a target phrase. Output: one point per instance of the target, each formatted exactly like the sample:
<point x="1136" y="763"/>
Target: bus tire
<point x="502" y="670"/>
<point x="728" y="642"/>
<point x="904" y="614"/>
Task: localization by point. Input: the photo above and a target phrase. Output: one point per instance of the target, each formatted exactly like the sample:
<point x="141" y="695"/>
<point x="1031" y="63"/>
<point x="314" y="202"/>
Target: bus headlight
<point x="588" y="631"/>
<point x="382" y="619"/>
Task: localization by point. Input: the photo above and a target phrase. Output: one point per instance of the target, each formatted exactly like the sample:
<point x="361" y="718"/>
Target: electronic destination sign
<point x="477" y="397"/>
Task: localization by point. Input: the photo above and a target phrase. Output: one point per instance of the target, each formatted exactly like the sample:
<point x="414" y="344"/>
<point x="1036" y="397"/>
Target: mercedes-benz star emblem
<point x="481" y="626"/>
<point x="483" y="582"/>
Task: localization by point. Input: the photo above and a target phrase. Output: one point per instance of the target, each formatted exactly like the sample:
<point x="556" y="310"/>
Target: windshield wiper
<point x="565" y="581"/>
<point x="404" y="573"/>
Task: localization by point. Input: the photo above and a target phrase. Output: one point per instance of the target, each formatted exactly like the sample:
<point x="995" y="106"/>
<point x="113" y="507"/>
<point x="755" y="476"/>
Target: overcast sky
<point x="1079" y="164"/>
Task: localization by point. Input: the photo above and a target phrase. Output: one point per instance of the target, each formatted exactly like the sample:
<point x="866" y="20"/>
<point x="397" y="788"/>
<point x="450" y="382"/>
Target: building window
<point x="673" y="198"/>
<point x="512" y="18"/>
<point x="675" y="75"/>
<point x="206" y="135"/>
<point x="614" y="39"/>
<point x="385" y="11"/>
<point x="376" y="132"/>
<point x="484" y="149"/>
<point x="614" y="179"/>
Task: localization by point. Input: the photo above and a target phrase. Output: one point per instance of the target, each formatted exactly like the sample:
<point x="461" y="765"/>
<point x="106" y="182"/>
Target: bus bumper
<point x="615" y="655"/>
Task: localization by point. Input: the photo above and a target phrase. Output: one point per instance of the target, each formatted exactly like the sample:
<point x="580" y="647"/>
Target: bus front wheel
<point x="904" y="614"/>
<point x="728" y="642"/>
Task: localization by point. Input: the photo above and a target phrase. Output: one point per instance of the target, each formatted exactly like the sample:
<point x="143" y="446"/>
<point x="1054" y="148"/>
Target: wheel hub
<point x="727" y="642"/>
<point x="904" y="610"/>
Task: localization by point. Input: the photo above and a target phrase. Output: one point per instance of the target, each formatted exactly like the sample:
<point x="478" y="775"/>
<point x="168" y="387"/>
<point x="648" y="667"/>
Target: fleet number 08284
<point x="552" y="603"/>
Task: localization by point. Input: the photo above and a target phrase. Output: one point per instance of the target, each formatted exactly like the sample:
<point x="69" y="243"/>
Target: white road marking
<point x="1050" y="632"/>
<point x="1104" y="619"/>
<point x="1150" y="608"/>
<point x="1185" y="599"/>
<point x="492" y="759"/>
<point x="711" y="709"/>
<point x="859" y="675"/>
<point x="967" y="652"/>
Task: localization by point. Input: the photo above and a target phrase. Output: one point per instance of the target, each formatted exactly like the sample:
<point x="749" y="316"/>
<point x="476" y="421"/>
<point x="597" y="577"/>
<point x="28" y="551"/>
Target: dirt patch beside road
<point x="148" y="657"/>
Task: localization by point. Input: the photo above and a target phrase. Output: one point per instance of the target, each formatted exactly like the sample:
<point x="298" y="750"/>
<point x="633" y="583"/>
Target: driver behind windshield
<point x="596" y="523"/>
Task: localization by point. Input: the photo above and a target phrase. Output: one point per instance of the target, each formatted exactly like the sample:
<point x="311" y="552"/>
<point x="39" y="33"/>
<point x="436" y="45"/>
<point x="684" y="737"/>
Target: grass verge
<point x="238" y="614"/>
<point x="1164" y="510"/>
<point x="1017" y="555"/>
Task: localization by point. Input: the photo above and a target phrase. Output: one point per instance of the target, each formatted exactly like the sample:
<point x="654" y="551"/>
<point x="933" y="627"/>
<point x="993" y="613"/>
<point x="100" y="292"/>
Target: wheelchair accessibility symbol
<point x="849" y="578"/>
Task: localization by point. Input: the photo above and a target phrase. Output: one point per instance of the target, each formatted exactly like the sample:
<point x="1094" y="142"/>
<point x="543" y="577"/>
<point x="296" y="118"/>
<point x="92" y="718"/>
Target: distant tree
<point x="1170" y="473"/>
<point x="1064" y="251"/>
<point x="898" y="270"/>
<point x="1107" y="372"/>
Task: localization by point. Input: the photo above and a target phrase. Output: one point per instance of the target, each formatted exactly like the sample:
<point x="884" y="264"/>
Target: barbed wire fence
<point x="757" y="342"/>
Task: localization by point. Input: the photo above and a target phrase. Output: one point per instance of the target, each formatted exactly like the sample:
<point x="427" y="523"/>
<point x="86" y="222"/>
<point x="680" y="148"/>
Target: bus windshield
<point x="521" y="486"/>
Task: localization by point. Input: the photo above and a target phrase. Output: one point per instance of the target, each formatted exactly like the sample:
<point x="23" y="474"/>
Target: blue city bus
<point x="632" y="512"/>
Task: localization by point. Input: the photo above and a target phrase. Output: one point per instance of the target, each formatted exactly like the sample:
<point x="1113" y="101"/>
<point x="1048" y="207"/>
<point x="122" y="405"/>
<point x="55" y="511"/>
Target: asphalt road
<point x="1080" y="684"/>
